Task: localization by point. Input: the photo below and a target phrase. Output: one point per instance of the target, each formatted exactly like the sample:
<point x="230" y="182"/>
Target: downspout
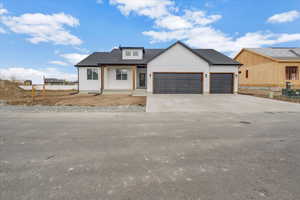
<point x="77" y="79"/>
<point x="102" y="79"/>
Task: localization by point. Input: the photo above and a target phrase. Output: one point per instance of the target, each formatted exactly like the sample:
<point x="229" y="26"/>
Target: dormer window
<point x="128" y="53"/>
<point x="135" y="53"/>
<point x="132" y="53"/>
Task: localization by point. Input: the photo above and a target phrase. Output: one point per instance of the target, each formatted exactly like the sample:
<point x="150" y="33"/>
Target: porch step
<point x="129" y="92"/>
<point x="139" y="93"/>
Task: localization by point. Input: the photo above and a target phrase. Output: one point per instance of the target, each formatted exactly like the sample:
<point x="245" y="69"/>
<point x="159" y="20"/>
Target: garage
<point x="221" y="83"/>
<point x="178" y="83"/>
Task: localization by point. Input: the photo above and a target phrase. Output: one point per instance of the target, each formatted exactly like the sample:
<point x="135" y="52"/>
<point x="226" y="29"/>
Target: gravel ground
<point x="38" y="109"/>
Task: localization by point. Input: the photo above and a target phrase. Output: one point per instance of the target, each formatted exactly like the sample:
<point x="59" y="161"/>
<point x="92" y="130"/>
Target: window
<point x="247" y="73"/>
<point x="121" y="74"/>
<point x="291" y="73"/>
<point x="135" y="53"/>
<point x="128" y="53"/>
<point x="92" y="74"/>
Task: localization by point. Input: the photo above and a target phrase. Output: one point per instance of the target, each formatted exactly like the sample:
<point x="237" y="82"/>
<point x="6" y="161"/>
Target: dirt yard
<point x="265" y="94"/>
<point x="11" y="93"/>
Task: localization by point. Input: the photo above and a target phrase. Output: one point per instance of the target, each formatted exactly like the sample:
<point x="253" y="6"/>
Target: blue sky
<point x="47" y="37"/>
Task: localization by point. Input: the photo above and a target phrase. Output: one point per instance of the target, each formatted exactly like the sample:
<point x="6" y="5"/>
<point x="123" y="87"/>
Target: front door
<point x="142" y="80"/>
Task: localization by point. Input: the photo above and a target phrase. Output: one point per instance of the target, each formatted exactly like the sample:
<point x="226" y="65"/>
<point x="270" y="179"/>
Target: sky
<point x="46" y="38"/>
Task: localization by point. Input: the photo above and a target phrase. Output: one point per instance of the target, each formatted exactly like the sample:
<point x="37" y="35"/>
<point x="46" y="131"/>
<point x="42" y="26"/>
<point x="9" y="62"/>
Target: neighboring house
<point x="28" y="82"/>
<point x="269" y="68"/>
<point x="175" y="70"/>
<point x="53" y="81"/>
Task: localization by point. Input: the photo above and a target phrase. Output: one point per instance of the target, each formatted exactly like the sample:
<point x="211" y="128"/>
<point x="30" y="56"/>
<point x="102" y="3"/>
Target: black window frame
<point x="121" y="74"/>
<point x="128" y="53"/>
<point x="135" y="52"/>
<point x="92" y="74"/>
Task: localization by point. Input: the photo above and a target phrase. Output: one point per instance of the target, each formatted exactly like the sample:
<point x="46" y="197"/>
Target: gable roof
<point x="115" y="57"/>
<point x="278" y="53"/>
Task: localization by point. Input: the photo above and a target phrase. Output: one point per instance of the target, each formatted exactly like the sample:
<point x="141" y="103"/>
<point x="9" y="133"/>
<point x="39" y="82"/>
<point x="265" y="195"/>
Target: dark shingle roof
<point x="115" y="57"/>
<point x="215" y="58"/>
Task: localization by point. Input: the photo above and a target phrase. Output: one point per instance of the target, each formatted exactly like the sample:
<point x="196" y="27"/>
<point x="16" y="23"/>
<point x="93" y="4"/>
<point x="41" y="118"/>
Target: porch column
<point x="133" y="77"/>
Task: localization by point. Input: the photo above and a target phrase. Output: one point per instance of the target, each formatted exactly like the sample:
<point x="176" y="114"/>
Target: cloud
<point x="99" y="1"/>
<point x="44" y="28"/>
<point x="2" y="10"/>
<point x="195" y="27"/>
<point x="149" y="8"/>
<point x="74" y="58"/>
<point x="36" y="75"/>
<point x="57" y="62"/>
<point x="2" y="31"/>
<point x="284" y="17"/>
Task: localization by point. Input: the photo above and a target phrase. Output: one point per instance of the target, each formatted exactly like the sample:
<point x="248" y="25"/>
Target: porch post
<point x="133" y="77"/>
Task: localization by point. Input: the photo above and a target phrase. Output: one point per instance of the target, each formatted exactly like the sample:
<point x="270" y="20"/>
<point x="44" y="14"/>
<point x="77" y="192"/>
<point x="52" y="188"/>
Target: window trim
<point x="289" y="73"/>
<point x="247" y="73"/>
<point x="121" y="73"/>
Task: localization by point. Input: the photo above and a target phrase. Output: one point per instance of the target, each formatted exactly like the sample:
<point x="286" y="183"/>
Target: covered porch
<point x="127" y="79"/>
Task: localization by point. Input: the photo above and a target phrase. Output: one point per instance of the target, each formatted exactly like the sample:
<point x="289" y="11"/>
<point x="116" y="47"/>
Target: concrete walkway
<point x="217" y="103"/>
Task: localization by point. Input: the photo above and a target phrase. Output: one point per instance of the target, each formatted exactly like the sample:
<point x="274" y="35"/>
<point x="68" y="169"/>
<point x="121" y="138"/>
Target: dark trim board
<point x="201" y="77"/>
<point x="210" y="83"/>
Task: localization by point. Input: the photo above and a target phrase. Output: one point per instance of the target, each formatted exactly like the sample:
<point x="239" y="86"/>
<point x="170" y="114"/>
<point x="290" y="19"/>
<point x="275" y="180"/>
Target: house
<point x="177" y="69"/>
<point x="53" y="81"/>
<point x="28" y="82"/>
<point x="269" y="68"/>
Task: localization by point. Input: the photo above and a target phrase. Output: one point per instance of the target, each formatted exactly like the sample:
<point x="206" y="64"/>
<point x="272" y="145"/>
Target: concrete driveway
<point x="217" y="103"/>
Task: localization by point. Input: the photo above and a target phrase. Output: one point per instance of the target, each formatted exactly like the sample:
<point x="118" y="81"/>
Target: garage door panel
<point x="221" y="83"/>
<point x="177" y="83"/>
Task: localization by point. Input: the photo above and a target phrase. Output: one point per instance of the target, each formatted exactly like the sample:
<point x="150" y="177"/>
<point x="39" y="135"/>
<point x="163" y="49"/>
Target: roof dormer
<point x="132" y="53"/>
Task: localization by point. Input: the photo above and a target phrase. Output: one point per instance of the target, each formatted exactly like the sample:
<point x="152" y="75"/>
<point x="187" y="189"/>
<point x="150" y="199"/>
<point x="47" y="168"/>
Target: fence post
<point x="44" y="90"/>
<point x="32" y="94"/>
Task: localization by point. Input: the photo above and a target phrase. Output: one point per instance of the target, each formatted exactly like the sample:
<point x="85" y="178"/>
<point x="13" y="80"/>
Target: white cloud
<point x="2" y="10"/>
<point x="99" y="1"/>
<point x="208" y="37"/>
<point x="195" y="27"/>
<point x="44" y="28"/>
<point x="200" y="17"/>
<point x="74" y="58"/>
<point x="149" y="8"/>
<point x="57" y="62"/>
<point x="173" y="22"/>
<point x="284" y="17"/>
<point x="2" y="31"/>
<point x="36" y="75"/>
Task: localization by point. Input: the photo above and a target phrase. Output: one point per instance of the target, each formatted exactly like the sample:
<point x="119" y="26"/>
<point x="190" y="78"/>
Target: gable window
<point x="121" y="74"/>
<point x="291" y="73"/>
<point x="135" y="53"/>
<point x="128" y="53"/>
<point x="92" y="74"/>
<point x="247" y="73"/>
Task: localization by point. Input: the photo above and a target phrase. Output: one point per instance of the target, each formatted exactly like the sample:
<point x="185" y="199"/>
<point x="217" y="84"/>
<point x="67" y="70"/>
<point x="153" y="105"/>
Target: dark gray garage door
<point x="177" y="83"/>
<point x="221" y="83"/>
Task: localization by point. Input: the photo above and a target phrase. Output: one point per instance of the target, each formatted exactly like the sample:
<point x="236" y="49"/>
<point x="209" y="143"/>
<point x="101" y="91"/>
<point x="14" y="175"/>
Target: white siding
<point x="111" y="83"/>
<point x="228" y="69"/>
<point x="178" y="59"/>
<point x="89" y="85"/>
